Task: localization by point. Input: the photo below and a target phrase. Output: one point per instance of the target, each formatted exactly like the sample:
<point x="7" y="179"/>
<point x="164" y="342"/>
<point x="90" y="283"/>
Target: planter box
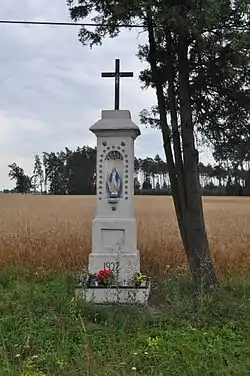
<point x="90" y="282"/>
<point x="114" y="293"/>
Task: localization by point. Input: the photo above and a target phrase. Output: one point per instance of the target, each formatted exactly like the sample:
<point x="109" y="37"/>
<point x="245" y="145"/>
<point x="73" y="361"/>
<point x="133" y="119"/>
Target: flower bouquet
<point x="105" y="277"/>
<point x="138" y="278"/>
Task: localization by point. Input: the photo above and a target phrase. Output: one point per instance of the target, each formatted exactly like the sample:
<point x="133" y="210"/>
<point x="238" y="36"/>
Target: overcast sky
<point x="51" y="91"/>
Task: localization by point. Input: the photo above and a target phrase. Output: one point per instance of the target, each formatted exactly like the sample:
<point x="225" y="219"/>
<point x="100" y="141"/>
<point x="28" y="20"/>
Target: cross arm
<point x="127" y="74"/>
<point x="107" y="74"/>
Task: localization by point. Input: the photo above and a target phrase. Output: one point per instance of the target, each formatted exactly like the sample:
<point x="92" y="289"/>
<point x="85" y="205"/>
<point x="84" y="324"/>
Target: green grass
<point x="45" y="331"/>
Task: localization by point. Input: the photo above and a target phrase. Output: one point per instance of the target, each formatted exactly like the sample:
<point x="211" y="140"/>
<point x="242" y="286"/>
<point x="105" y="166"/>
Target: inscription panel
<point x="113" y="239"/>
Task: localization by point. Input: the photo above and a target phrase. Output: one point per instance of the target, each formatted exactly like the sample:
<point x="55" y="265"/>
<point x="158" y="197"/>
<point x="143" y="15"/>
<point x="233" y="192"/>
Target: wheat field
<point x="54" y="233"/>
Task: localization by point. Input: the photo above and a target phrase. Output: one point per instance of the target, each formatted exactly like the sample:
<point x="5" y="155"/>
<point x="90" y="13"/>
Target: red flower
<point x="104" y="274"/>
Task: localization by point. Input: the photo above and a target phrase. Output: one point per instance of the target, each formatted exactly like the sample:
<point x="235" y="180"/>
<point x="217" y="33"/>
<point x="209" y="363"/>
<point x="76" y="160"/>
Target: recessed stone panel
<point x="112" y="238"/>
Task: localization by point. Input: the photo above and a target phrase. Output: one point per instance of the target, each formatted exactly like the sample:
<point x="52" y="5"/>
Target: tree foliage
<point x="23" y="182"/>
<point x="70" y="172"/>
<point x="38" y="177"/>
<point x="219" y="59"/>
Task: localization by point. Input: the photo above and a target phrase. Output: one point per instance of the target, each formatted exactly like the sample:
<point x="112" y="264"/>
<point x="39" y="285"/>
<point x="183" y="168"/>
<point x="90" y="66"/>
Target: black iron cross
<point x="117" y="74"/>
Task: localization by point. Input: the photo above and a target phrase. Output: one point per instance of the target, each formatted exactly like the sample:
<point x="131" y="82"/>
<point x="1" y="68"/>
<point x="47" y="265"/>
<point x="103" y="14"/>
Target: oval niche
<point x="114" y="159"/>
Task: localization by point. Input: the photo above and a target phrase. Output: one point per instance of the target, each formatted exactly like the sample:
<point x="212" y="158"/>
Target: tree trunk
<point x="248" y="183"/>
<point x="187" y="201"/>
<point x="198" y="252"/>
<point x="165" y="130"/>
<point x="174" y="125"/>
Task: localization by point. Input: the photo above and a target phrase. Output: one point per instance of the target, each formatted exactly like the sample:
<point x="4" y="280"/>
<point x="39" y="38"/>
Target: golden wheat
<point x="54" y="232"/>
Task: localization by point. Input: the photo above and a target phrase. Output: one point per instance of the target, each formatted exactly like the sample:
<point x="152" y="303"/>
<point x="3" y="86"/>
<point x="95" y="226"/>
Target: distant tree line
<point x="74" y="173"/>
<point x="65" y="172"/>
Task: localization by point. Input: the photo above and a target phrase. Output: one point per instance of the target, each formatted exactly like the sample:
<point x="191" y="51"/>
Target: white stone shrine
<point x="114" y="232"/>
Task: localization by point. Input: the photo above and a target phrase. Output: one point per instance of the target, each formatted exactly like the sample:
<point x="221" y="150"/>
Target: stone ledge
<point x="115" y="120"/>
<point x="116" y="114"/>
<point x="126" y="294"/>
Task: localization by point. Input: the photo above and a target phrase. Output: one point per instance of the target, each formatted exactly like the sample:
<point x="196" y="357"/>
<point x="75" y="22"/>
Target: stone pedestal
<point x="114" y="232"/>
<point x="114" y="247"/>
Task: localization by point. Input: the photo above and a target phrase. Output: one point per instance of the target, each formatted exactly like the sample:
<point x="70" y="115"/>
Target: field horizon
<point x="54" y="233"/>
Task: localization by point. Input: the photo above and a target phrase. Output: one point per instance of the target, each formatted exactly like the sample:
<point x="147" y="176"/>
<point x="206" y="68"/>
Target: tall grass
<point x="54" y="233"/>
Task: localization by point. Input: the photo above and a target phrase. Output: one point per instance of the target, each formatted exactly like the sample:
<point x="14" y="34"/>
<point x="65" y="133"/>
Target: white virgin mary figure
<point x="114" y="183"/>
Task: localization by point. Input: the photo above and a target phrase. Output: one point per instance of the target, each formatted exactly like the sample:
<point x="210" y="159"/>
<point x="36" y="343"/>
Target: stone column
<point x="114" y="232"/>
